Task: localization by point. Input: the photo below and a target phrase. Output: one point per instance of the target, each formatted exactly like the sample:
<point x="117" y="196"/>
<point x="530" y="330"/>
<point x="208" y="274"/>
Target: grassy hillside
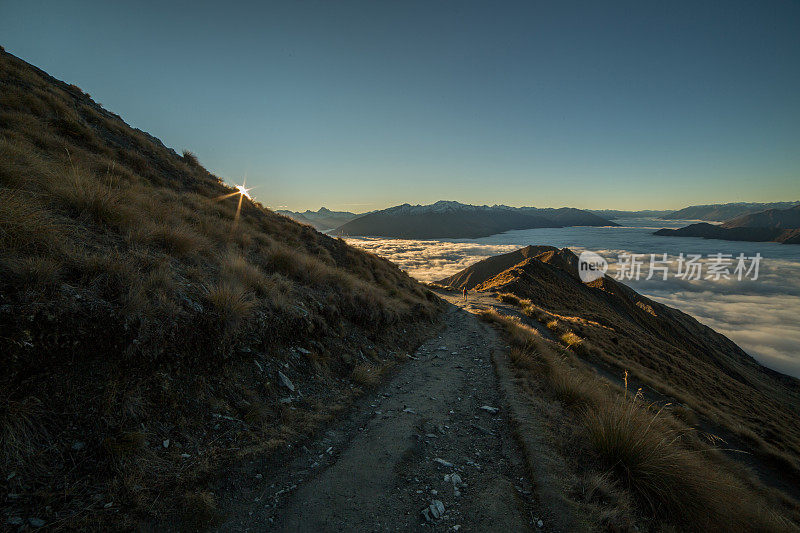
<point x="146" y="310"/>
<point x="610" y="459"/>
<point x="673" y="356"/>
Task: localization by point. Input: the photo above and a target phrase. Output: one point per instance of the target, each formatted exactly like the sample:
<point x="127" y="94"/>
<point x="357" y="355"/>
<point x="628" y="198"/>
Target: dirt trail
<point x="377" y="469"/>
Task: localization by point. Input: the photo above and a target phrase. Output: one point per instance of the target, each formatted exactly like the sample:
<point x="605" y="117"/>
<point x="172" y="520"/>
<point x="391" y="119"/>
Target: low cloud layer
<point x="430" y="260"/>
<point x="759" y="315"/>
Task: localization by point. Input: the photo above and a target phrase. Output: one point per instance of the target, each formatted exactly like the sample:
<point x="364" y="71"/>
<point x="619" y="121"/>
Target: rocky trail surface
<point x="430" y="450"/>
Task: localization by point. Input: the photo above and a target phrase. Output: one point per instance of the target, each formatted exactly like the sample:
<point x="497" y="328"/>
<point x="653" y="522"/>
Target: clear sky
<point x="363" y="105"/>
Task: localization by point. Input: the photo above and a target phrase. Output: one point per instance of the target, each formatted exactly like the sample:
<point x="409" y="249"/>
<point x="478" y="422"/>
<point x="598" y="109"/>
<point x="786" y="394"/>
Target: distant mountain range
<point x="446" y="219"/>
<point x="613" y="214"/>
<point x="722" y="212"/>
<point x="323" y="220"/>
<point x="449" y="219"/>
<point x="777" y="225"/>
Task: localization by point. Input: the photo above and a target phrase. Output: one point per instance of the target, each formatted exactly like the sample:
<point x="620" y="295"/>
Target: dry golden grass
<point x="231" y="301"/>
<point x="720" y="384"/>
<point x="366" y="375"/>
<point x="671" y="476"/>
<point x="129" y="281"/>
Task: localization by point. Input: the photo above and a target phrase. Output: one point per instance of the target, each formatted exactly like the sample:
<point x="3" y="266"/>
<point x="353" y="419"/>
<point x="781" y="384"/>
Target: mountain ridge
<point x="722" y="212"/>
<point x="775" y="225"/>
<point x="450" y="219"/>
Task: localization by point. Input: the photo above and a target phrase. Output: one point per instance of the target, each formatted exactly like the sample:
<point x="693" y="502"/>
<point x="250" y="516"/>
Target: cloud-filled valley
<point x="759" y="315"/>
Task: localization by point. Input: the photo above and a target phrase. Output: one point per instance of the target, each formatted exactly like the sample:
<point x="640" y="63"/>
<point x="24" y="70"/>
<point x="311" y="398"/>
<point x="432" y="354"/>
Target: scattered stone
<point x="36" y="522"/>
<point x="259" y="476"/>
<point x="185" y="455"/>
<point x="409" y="410"/>
<point x="490" y="409"/>
<point x="442" y="462"/>
<point x="434" y="511"/>
<point x="11" y="476"/>
<point x="539" y="523"/>
<point x="109" y="505"/>
<point x="437" y="509"/>
<point x="303" y="351"/>
<point x="78" y="446"/>
<point x="165" y="443"/>
<point x="286" y="382"/>
<point x="286" y="400"/>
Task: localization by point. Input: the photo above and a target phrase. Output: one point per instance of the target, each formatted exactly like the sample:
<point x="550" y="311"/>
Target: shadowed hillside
<point x="778" y="225"/>
<point x="613" y="327"/>
<point x="722" y="212"/>
<point x="154" y="323"/>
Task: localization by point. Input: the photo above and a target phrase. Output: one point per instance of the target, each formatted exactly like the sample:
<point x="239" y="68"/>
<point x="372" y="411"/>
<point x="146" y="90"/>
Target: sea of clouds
<point x="759" y="315"/>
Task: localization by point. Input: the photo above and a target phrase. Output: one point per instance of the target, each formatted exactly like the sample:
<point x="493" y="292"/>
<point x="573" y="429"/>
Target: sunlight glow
<point x="245" y="191"/>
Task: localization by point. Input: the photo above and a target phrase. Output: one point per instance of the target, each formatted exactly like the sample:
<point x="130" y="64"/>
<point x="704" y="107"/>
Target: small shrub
<point x="570" y="339"/>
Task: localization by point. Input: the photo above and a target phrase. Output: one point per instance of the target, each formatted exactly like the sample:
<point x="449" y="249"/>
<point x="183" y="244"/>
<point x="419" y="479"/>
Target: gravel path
<point x="435" y="437"/>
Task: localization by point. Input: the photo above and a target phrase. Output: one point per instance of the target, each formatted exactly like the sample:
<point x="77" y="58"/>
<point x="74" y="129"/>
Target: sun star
<point x="244" y="191"/>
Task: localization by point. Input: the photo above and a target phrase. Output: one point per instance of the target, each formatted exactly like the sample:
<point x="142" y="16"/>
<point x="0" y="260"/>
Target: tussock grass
<point x="667" y="474"/>
<point x="129" y="279"/>
<point x="26" y="225"/>
<point x="366" y="375"/>
<point x="231" y="301"/>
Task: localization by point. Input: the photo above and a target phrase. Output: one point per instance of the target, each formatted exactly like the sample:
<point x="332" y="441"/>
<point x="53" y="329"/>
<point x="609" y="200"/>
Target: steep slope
<point x="722" y="212"/>
<point x="446" y="219"/>
<point x="778" y="225"/>
<point x="664" y="348"/>
<point x="154" y="323"/>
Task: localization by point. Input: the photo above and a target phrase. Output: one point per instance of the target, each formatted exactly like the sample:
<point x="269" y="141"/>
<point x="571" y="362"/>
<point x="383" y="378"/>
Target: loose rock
<point x="286" y="382"/>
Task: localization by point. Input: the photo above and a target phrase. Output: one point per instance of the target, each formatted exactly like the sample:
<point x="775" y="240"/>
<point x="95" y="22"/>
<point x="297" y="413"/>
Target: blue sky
<point x="362" y="105"/>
